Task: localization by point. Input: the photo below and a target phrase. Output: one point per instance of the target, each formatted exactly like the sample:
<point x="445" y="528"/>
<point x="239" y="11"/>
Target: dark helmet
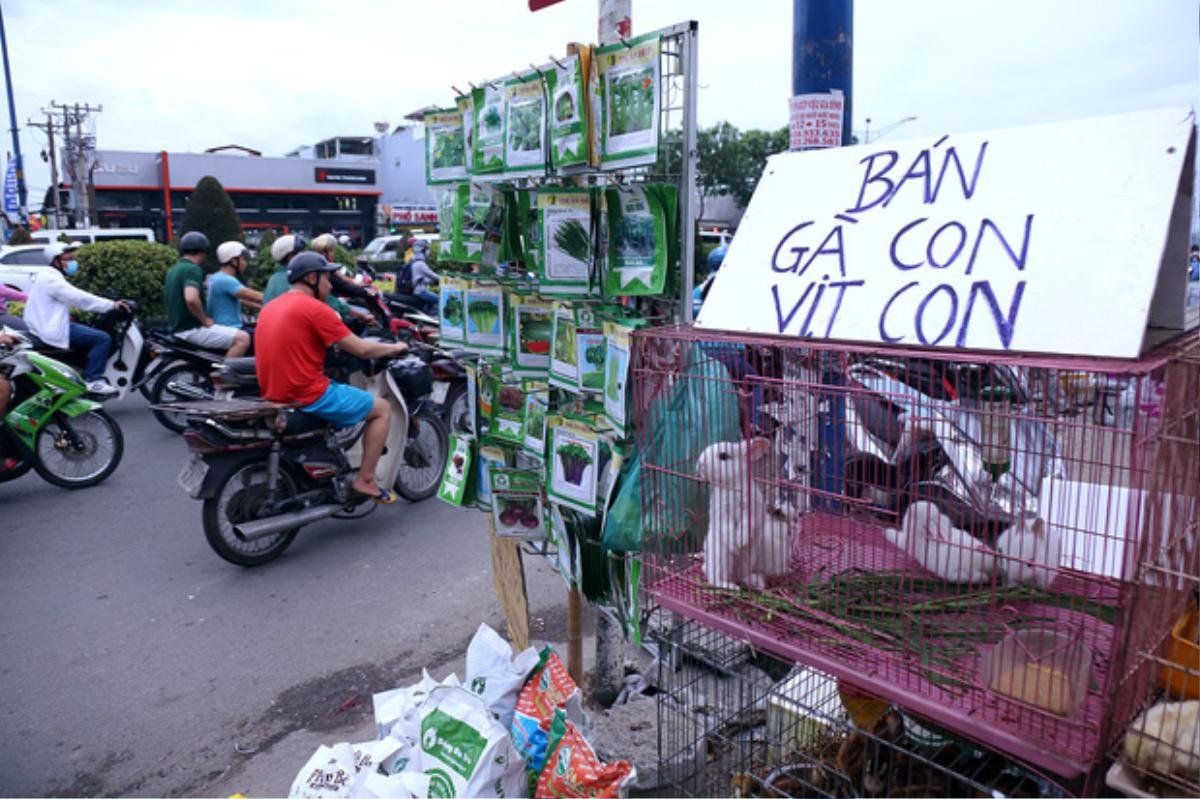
<point x="308" y="262"/>
<point x="193" y="241"/>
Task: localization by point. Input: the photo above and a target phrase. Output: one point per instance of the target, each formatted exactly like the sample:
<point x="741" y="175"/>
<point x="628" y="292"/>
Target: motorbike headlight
<point x="64" y="371"/>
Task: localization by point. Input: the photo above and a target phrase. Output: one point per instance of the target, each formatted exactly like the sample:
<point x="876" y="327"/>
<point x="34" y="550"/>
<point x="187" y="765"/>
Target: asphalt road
<point x="137" y="663"/>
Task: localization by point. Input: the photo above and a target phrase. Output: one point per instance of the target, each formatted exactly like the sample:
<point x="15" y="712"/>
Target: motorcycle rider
<point x="226" y="292"/>
<point x="283" y="251"/>
<point x="416" y="277"/>
<point x="292" y="335"/>
<point x="183" y="294"/>
<point x="48" y="315"/>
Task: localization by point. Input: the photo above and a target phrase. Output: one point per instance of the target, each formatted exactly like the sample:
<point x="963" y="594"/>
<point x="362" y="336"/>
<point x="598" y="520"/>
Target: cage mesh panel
<point x="1035" y="516"/>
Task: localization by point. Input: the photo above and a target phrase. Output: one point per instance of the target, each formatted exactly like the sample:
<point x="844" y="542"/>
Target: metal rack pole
<point x="687" y="188"/>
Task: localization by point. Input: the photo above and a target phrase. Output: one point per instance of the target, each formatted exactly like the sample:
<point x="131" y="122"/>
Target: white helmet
<point x="229" y="250"/>
<point x="324" y="243"/>
<point x="52" y="251"/>
<point x="286" y="246"/>
<point x="344" y="240"/>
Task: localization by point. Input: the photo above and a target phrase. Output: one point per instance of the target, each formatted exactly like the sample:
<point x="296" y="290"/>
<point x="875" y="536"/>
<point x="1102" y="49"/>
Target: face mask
<point x="72" y="267"/>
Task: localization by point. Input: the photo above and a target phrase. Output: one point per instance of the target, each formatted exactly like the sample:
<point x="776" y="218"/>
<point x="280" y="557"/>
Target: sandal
<point x="384" y="497"/>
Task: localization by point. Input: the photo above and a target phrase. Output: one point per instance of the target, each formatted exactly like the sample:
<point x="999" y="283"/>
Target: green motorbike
<point x="50" y="427"/>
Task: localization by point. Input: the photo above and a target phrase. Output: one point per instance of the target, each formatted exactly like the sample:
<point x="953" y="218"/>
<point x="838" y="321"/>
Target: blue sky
<point x="272" y="75"/>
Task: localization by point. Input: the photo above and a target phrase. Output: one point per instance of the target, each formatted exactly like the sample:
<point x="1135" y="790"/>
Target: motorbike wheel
<point x="79" y="452"/>
<point x="242" y="497"/>
<point x="167" y="388"/>
<point x="424" y="457"/>
<point x="456" y="410"/>
<point x="9" y="450"/>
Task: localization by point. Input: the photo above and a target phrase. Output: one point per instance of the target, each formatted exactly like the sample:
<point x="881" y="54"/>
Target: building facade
<point x="287" y="195"/>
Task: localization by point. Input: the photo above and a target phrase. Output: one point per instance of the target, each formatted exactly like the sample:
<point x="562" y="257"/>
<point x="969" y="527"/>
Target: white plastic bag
<point x="464" y="750"/>
<point x="329" y="773"/>
<point x="495" y="675"/>
<point x="399" y="703"/>
<point x="405" y="785"/>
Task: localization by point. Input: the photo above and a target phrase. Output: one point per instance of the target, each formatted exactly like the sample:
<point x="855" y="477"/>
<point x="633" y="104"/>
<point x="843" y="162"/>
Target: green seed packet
<point x="452" y="310"/>
<point x="484" y="331"/>
<point x="525" y="134"/>
<point x="568" y="113"/>
<point x="488" y="102"/>
<point x="532" y="335"/>
<point x="508" y="417"/>
<point x="517" y="504"/>
<point x="445" y="160"/>
<point x="491" y="456"/>
<point x="630" y="100"/>
<point x="639" y="230"/>
<point x="536" y="404"/>
<point x="456" y="479"/>
<point x="616" y="376"/>
<point x="566" y="250"/>
<point x="573" y="455"/>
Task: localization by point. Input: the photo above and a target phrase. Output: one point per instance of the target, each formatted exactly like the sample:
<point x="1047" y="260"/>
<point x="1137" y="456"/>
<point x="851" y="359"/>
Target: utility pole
<point x="12" y="118"/>
<point x="75" y="153"/>
<point x="48" y="126"/>
<point x="823" y="51"/>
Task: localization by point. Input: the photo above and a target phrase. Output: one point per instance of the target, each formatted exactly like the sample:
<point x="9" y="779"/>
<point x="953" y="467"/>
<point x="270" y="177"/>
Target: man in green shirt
<point x="183" y="295"/>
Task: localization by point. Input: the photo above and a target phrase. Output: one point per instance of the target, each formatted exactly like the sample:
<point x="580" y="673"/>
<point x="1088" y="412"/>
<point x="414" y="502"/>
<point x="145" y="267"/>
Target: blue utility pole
<point x="12" y="121"/>
<point x="822" y="50"/>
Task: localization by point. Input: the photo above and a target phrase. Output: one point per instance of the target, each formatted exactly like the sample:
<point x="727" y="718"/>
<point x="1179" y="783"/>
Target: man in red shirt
<point x="290" y="341"/>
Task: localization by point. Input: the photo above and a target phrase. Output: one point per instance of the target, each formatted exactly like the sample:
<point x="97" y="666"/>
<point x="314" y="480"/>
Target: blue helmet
<point x="717" y="257"/>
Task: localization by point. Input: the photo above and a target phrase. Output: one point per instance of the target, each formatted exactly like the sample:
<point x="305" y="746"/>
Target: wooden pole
<point x="508" y="581"/>
<point x="575" y="635"/>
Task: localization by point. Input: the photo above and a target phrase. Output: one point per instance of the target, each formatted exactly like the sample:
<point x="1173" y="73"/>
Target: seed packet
<point x="452" y="310"/>
<point x="455" y="487"/>
<point x="566" y="247"/>
<point x="564" y="357"/>
<point x="591" y="353"/>
<point x="484" y="332"/>
<point x="536" y="404"/>
<point x="638" y="254"/>
<point x="444" y="144"/>
<point x="629" y="85"/>
<point x="525" y="139"/>
<point x="616" y="375"/>
<point x="488" y="102"/>
<point x="508" y="417"/>
<point x="491" y="456"/>
<point x="466" y="108"/>
<point x="572" y="454"/>
<point x="517" y="504"/>
<point x="474" y="215"/>
<point x="448" y="220"/>
<point x="532" y="334"/>
<point x="569" y="118"/>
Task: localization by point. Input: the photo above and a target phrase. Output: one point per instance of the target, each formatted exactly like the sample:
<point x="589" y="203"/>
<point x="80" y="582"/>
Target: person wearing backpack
<point x="417" y="278"/>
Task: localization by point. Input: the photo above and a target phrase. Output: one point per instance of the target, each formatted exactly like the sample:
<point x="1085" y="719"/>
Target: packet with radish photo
<point x="517" y="504"/>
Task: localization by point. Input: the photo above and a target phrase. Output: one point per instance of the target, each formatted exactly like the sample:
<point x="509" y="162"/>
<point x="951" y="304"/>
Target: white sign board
<point x="815" y="120"/>
<point x="1066" y="238"/>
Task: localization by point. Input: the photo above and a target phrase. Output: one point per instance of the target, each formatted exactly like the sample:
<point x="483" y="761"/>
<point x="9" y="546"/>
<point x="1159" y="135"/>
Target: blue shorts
<point x="341" y="405"/>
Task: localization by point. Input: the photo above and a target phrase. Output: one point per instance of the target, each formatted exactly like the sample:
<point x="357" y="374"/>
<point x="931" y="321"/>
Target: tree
<point x="210" y="211"/>
<point x="727" y="160"/>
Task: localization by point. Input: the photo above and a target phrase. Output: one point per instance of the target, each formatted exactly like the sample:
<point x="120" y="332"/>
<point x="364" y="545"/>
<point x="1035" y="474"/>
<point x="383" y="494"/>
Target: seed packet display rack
<point x="548" y="395"/>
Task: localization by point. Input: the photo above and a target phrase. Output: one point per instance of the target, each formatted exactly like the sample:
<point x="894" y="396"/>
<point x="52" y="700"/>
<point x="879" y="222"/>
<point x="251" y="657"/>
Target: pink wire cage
<point x="998" y="542"/>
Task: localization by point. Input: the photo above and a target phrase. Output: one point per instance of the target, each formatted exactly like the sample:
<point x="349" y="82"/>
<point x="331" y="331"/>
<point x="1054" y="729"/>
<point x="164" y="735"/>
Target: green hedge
<point x="127" y="270"/>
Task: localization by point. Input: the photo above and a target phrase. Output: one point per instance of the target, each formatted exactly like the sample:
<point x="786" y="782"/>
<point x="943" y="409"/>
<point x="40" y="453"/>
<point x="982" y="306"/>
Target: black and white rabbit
<point x="747" y="541"/>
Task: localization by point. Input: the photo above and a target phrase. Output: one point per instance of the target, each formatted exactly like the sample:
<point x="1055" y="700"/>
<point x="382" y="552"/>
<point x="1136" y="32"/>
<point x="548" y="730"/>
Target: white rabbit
<point x="928" y="536"/>
<point x="744" y="542"/>
<point x="1166" y="738"/>
<point x="1032" y="552"/>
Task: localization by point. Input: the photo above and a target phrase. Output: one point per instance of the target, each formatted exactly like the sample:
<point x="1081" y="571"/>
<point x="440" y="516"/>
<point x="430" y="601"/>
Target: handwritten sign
<point x="815" y="120"/>
<point x="1050" y="238"/>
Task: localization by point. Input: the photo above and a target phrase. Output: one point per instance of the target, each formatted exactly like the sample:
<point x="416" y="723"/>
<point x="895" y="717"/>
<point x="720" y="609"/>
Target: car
<point x="384" y="248"/>
<point x="20" y="265"/>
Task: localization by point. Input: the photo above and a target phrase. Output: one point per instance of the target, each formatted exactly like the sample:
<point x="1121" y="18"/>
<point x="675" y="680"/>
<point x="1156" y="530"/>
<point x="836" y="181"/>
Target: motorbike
<point x="51" y="426"/>
<point x="184" y="374"/>
<point x="264" y="470"/>
<point x="134" y="363"/>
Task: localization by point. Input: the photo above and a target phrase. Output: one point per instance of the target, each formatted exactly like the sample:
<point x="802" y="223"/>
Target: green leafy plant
<point x="525" y="126"/>
<point x="564" y="107"/>
<point x="575" y="459"/>
<point x="595" y="356"/>
<point x="210" y="211"/>
<point x="448" y="149"/>
<point x="128" y="270"/>
<point x="632" y="102"/>
<point x="492" y="120"/>
<point x="484" y="315"/>
<point x="572" y="238"/>
<point x="635" y="236"/>
<point x="452" y="310"/>
<point x="535" y="420"/>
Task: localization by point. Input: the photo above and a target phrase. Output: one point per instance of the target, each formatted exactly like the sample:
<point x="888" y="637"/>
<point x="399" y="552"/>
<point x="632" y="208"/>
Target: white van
<point x="91" y="235"/>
